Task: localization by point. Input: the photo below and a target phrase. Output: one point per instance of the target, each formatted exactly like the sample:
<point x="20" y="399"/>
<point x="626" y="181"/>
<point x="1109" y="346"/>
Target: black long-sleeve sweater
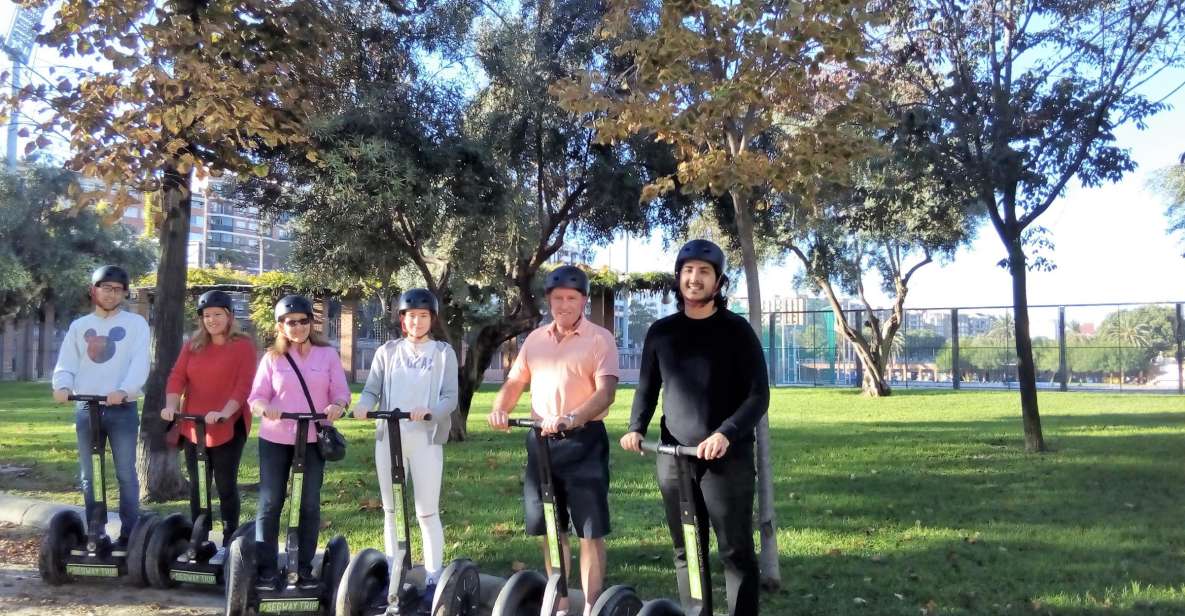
<point x="713" y="376"/>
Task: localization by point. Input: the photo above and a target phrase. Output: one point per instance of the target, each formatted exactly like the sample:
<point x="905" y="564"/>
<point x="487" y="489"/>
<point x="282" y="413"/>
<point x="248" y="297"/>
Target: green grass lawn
<point x="923" y="503"/>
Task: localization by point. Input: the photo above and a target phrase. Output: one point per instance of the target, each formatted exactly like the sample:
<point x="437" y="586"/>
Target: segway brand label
<point x="553" y="541"/>
<point x="203" y="483"/>
<point x="400" y="521"/>
<point x="297" y="490"/>
<point x="192" y="577"/>
<point x="691" y="546"/>
<point x="99" y="481"/>
<point x="279" y="606"/>
<point x="92" y="570"/>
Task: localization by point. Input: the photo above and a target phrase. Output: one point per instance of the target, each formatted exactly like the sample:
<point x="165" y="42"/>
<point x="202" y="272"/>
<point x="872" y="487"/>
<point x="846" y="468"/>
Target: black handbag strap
<point x="300" y="377"/>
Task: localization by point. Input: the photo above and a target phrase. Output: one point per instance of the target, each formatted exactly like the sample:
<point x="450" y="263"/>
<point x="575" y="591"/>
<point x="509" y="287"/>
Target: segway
<point x="242" y="598"/>
<point x="698" y="574"/>
<point x="527" y="592"/>
<point x="69" y="550"/>
<point x="180" y="551"/>
<point x="370" y="587"/>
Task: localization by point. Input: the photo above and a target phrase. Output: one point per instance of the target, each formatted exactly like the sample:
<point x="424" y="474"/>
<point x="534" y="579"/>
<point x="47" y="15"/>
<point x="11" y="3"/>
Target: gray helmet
<point x="418" y="298"/>
<point x="214" y="299"/>
<point x="567" y="277"/>
<point x="701" y="250"/>
<point x="293" y="303"/>
<point x="111" y="273"/>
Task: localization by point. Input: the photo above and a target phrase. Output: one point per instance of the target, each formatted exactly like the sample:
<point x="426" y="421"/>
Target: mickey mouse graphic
<point x="102" y="348"/>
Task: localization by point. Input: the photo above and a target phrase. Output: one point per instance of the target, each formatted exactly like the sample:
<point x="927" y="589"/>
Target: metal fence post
<point x="956" y="372"/>
<point x="1062" y="366"/>
<point x="771" y="357"/>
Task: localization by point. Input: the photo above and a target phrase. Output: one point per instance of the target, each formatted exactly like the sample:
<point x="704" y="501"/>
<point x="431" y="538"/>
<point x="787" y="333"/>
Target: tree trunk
<point x="875" y="384"/>
<point x="771" y="576"/>
<point x="157" y="464"/>
<point x="480" y="353"/>
<point x="1026" y="371"/>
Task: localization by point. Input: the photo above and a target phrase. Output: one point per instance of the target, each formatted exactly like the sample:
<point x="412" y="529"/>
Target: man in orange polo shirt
<point x="571" y="366"/>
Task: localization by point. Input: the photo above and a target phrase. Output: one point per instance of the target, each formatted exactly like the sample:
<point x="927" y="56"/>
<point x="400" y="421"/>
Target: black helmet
<point x="566" y="277"/>
<point x="418" y="298"/>
<point x="701" y="250"/>
<point x="293" y="303"/>
<point x="111" y="273"/>
<point x="214" y="299"/>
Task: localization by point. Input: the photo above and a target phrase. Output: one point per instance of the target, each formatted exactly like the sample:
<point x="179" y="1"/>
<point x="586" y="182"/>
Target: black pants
<point x="275" y="460"/>
<point x="723" y="492"/>
<point x="223" y="467"/>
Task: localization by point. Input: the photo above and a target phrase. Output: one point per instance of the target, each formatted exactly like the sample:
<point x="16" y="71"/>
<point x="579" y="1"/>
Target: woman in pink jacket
<point x="277" y="390"/>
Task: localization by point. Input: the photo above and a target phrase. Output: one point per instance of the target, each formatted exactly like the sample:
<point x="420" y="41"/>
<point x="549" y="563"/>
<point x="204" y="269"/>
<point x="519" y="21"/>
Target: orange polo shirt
<point x="563" y="373"/>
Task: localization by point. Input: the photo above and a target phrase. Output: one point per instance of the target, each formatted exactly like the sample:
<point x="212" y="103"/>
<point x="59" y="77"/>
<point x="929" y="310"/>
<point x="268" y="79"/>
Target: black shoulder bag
<point x="330" y="441"/>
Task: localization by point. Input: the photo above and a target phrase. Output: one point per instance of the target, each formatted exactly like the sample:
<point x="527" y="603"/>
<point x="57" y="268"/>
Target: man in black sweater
<point x="710" y="364"/>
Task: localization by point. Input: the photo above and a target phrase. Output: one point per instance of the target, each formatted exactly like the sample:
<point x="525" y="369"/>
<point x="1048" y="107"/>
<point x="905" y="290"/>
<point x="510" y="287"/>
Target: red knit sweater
<point x="208" y="378"/>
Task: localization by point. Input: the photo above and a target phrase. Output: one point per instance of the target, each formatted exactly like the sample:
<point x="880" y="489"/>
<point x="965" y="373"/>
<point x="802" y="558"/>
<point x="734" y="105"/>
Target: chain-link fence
<point x="1123" y="346"/>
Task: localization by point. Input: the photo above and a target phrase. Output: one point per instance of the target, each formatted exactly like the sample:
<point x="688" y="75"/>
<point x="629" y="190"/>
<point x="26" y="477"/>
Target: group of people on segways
<point x="705" y="360"/>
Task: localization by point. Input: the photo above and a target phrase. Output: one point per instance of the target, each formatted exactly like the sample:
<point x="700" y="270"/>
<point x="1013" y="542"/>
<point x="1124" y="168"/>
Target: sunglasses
<point x="295" y="322"/>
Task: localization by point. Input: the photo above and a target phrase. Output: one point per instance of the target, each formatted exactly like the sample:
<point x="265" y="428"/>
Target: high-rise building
<point x="220" y="233"/>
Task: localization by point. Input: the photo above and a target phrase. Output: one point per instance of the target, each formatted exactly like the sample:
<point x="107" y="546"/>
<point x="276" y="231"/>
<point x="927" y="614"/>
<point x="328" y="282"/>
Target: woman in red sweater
<point x="214" y="372"/>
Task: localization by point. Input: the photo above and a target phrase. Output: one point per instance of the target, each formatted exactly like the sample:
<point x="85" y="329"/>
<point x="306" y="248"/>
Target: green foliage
<point x="1170" y="184"/>
<point x="48" y="250"/>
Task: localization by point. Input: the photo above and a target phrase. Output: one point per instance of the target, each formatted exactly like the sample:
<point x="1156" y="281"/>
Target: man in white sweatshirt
<point x="105" y="353"/>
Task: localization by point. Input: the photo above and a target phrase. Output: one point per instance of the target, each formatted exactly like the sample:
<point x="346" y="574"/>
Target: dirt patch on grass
<point x="22" y="593"/>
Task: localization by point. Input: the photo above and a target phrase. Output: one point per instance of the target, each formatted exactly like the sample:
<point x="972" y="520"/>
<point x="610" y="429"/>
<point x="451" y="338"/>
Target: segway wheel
<point x="458" y="592"/>
<point x="363" y="586"/>
<point x="617" y="601"/>
<point x="138" y="548"/>
<point x="240" y="576"/>
<point x="168" y="541"/>
<point x="522" y="595"/>
<point x="661" y="607"/>
<point x="244" y="530"/>
<point x="333" y="566"/>
<point x="65" y="532"/>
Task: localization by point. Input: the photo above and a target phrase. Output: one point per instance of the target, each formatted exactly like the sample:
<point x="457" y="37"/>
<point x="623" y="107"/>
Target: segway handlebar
<point x="395" y="414"/>
<point x="195" y="418"/>
<point x="299" y="416"/>
<point x="87" y="398"/>
<point x="670" y="450"/>
<point x="531" y="423"/>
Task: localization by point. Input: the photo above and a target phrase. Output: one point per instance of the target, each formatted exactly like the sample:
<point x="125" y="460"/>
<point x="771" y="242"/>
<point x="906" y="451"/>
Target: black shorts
<point x="580" y="471"/>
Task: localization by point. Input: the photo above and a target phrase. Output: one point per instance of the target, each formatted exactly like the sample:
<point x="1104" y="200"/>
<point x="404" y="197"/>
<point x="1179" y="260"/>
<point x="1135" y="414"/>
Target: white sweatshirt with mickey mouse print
<point x="101" y="355"/>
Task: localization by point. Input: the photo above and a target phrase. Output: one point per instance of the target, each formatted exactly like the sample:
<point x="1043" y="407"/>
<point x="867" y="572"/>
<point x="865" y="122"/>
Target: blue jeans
<point x="275" y="461"/>
<point x="121" y="427"/>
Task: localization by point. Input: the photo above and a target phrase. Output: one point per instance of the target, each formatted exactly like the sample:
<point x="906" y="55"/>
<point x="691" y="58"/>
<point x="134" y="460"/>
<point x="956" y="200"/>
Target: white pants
<point x="424" y="462"/>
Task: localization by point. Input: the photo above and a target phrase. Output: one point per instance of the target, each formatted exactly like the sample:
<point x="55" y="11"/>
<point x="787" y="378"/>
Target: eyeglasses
<point x="111" y="288"/>
<point x="295" y="322"/>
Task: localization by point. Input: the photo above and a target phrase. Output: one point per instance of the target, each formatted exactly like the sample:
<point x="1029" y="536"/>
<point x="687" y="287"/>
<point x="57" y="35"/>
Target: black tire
<point x="617" y="601"/>
<point x="240" y="576"/>
<point x="661" y="607"/>
<point x="363" y="585"/>
<point x="458" y="592"/>
<point x="244" y="530"/>
<point x="522" y="595"/>
<point x="138" y="548"/>
<point x="168" y="541"/>
<point x="333" y="566"/>
<point x="64" y="533"/>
